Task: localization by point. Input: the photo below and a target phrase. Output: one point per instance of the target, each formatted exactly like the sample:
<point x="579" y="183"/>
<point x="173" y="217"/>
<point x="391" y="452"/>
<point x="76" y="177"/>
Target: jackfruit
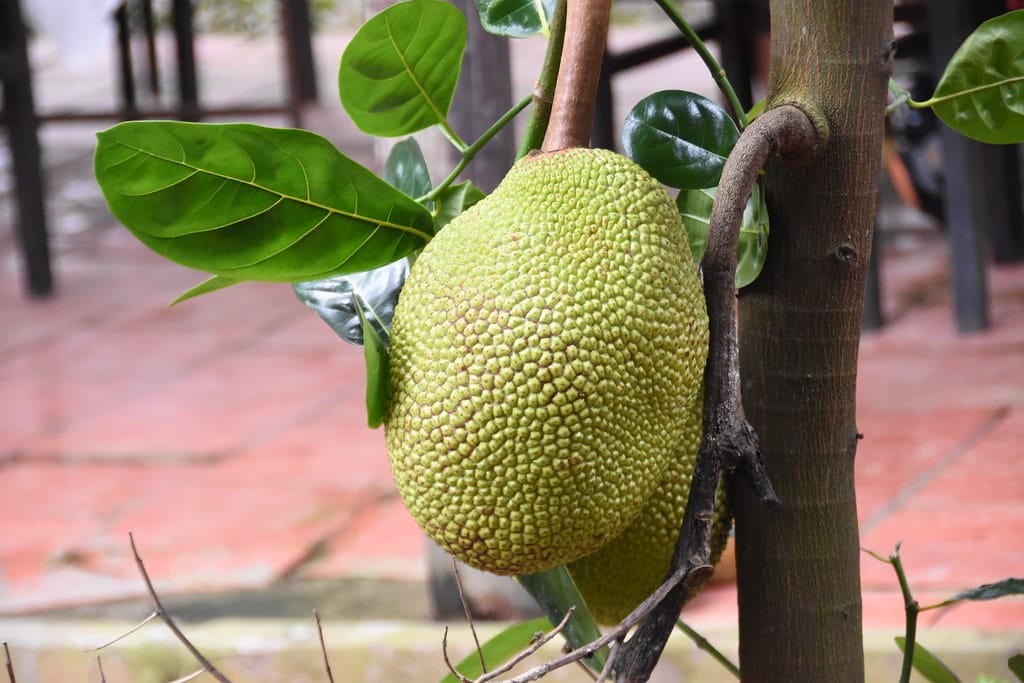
<point x="543" y="350"/>
<point x="617" y="578"/>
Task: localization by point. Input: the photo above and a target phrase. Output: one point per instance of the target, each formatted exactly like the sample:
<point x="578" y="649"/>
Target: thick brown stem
<point x="572" y="111"/>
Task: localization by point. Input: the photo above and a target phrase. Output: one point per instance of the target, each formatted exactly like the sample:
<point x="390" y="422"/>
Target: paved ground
<point x="228" y="433"/>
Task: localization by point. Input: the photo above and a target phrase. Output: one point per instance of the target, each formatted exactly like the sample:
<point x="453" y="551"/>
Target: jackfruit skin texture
<point x="617" y="578"/>
<point x="543" y="349"/>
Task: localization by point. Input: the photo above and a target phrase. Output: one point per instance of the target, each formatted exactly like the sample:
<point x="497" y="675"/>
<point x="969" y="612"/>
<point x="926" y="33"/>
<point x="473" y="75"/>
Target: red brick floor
<point x="228" y="435"/>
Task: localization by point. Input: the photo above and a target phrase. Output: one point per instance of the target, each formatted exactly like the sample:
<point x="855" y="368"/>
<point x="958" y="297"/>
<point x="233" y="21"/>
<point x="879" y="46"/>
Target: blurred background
<point x="228" y="433"/>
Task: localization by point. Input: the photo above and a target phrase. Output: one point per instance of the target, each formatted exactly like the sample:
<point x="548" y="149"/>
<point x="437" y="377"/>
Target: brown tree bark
<point x="798" y="565"/>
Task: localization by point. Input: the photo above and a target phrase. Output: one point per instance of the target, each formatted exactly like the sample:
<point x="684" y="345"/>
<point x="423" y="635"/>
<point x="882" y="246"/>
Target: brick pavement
<point x="228" y="435"/>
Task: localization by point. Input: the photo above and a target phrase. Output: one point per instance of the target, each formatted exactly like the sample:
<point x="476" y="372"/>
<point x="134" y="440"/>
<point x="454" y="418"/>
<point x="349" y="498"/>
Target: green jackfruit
<point x="619" y="576"/>
<point x="543" y="349"/>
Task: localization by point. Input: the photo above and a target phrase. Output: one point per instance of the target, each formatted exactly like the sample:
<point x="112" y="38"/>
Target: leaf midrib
<point x="307" y="202"/>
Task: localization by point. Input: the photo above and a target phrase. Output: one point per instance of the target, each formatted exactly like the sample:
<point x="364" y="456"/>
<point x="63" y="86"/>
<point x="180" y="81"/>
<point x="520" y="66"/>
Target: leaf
<point x="753" y="246"/>
<point x="406" y="169"/>
<point x="398" y="73"/>
<point x="1016" y="666"/>
<point x="988" y="591"/>
<point x="927" y="664"/>
<point x="500" y="648"/>
<point x="253" y="203"/>
<point x="695" y="209"/>
<point x="375" y="353"/>
<point x="211" y="284"/>
<point x="680" y="138"/>
<point x="375" y="291"/>
<point x="752" y="250"/>
<point x="516" y="18"/>
<point x="556" y="593"/>
<point x="981" y="92"/>
<point x="454" y="200"/>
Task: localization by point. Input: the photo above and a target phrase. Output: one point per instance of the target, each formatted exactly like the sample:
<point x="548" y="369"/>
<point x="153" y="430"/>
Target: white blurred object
<point x="82" y="30"/>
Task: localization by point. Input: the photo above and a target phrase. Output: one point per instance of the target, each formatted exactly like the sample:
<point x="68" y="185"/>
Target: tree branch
<point x="729" y="441"/>
<point x="572" y="110"/>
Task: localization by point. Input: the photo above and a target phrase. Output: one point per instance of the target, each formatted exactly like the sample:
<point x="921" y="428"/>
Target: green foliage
<point x="981" y="92"/>
<point x="695" y="209"/>
<point x="454" y="200"/>
<point x="500" y="648"/>
<point x="406" y="169"/>
<point x="556" y="593"/>
<point x="927" y="664"/>
<point x="398" y="74"/>
<point x="253" y="203"/>
<point x="210" y="284"/>
<point x="988" y="591"/>
<point x="516" y="18"/>
<point x="376" y="355"/>
<point x="1016" y="666"/>
<point x="680" y="138"/>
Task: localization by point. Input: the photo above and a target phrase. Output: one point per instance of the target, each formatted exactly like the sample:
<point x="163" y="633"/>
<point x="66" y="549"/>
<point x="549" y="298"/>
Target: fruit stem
<point x="572" y="109"/>
<point x="544" y="92"/>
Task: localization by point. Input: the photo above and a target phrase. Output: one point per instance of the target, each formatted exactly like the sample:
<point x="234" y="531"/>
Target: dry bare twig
<point x="469" y="617"/>
<point x="9" y="664"/>
<point x="323" y="646"/>
<point x="166" y="618"/>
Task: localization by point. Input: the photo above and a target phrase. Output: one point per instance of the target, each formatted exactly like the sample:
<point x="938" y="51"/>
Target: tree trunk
<point x="798" y="566"/>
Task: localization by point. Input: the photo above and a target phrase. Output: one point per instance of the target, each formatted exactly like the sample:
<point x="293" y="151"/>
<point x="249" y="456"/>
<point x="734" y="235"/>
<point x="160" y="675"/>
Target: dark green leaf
<point x="681" y="138"/>
<point x="1016" y="666"/>
<point x="927" y="664"/>
<point x="500" y="648"/>
<point x="556" y="593"/>
<point x="375" y="291"/>
<point x="981" y="93"/>
<point x="406" y="169"/>
<point x="375" y="353"/>
<point x="516" y="18"/>
<point x="988" y="591"/>
<point x="454" y="200"/>
<point x="695" y="209"/>
<point x="753" y="246"/>
<point x="211" y="284"/>
<point x="398" y="73"/>
<point x="254" y="203"/>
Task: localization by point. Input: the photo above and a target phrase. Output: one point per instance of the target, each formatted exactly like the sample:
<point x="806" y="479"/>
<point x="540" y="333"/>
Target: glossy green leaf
<point x="927" y="664"/>
<point x="753" y="246"/>
<point x="516" y="18"/>
<point x="344" y="300"/>
<point x="1016" y="666"/>
<point x="556" y="593"/>
<point x="253" y="203"/>
<point x="406" y="169"/>
<point x="752" y="250"/>
<point x="988" y="591"/>
<point x="454" y="200"/>
<point x="695" y="209"/>
<point x="500" y="648"/>
<point x="398" y="73"/>
<point x="981" y="92"/>
<point x="211" y="284"/>
<point x="680" y="138"/>
<point x="375" y="353"/>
